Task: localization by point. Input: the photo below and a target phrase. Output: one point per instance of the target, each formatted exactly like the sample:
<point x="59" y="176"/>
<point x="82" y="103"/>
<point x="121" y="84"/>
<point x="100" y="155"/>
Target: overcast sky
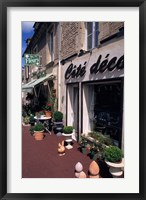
<point x="27" y="32"/>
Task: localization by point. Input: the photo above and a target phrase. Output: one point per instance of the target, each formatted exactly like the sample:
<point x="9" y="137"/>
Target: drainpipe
<point x="59" y="71"/>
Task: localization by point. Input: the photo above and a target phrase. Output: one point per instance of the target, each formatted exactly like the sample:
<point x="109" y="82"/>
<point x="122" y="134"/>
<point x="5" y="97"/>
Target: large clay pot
<point x="48" y="113"/>
<point x="38" y="136"/>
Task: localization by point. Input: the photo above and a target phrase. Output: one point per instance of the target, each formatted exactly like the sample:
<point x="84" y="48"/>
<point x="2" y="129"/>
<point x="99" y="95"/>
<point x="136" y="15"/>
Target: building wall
<point x="73" y="38"/>
<point x="114" y="49"/>
<point x="107" y="29"/>
<point x="40" y="41"/>
<point x="70" y="43"/>
<point x="69" y="38"/>
<point x="56" y="41"/>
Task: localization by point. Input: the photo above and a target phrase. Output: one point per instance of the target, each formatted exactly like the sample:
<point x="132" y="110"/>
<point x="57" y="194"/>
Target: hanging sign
<point x="32" y="59"/>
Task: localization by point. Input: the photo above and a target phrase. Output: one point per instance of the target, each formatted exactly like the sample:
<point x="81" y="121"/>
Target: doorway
<point x="73" y="106"/>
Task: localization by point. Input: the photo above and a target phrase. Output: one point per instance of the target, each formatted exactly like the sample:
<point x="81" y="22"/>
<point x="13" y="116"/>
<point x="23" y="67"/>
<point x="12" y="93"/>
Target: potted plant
<point x="83" y="145"/>
<point x="41" y="113"/>
<point x="114" y="159"/>
<point x="38" y="131"/>
<point x="58" y="123"/>
<point x="48" y="110"/>
<point x="68" y="129"/>
<point x="113" y="154"/>
<point x="31" y="120"/>
<point x="58" y="116"/>
<point x="26" y="120"/>
<point x="37" y="115"/>
<point x="67" y="132"/>
<point x="96" y="151"/>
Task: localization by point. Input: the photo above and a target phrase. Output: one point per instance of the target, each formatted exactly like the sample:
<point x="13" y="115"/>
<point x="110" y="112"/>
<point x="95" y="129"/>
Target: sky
<point x="27" y="32"/>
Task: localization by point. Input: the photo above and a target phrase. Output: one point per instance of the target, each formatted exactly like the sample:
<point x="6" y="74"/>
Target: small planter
<point x="58" y="127"/>
<point x="116" y="169"/>
<point x="38" y="132"/>
<point x="113" y="158"/>
<point x="48" y="113"/>
<point x="58" y="116"/>
<point x="38" y="135"/>
<point x="68" y="140"/>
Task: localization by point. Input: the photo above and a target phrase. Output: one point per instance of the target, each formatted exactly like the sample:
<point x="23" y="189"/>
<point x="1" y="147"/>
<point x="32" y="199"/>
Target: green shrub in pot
<point x="58" y="116"/>
<point x="68" y="129"/>
<point x="96" y="151"/>
<point x="32" y="120"/>
<point x="39" y="132"/>
<point x="38" y="127"/>
<point x="83" y="145"/>
<point x="113" y="154"/>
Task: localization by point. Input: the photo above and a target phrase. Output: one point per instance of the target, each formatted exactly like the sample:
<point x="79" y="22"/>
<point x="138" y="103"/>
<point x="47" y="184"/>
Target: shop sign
<point x="74" y="72"/>
<point x="32" y="59"/>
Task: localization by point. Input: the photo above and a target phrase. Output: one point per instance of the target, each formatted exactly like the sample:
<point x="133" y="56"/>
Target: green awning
<point x="28" y="87"/>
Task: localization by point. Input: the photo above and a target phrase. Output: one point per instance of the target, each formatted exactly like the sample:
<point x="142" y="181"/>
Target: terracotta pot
<point x="48" y="113"/>
<point x="38" y="135"/>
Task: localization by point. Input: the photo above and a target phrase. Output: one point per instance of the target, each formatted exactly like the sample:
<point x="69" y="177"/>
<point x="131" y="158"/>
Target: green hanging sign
<point x="32" y="59"/>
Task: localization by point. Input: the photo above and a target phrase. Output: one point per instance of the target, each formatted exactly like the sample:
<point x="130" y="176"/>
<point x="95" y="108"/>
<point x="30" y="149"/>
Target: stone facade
<point x="107" y="29"/>
<point x="73" y="35"/>
<point x="69" y="38"/>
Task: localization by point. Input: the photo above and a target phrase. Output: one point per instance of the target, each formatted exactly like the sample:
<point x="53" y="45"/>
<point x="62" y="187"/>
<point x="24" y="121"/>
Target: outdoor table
<point x="44" y="119"/>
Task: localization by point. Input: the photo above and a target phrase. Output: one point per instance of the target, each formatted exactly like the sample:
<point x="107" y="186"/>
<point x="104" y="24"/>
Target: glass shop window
<point x="105" y="109"/>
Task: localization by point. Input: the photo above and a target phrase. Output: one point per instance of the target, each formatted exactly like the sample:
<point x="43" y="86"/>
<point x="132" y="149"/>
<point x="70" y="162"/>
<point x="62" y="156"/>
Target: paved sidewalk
<point x="40" y="159"/>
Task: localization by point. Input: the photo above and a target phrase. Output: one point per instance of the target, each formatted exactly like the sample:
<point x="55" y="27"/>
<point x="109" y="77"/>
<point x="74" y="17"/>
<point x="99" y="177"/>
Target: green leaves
<point x="113" y="154"/>
<point x="39" y="127"/>
<point x="68" y="129"/>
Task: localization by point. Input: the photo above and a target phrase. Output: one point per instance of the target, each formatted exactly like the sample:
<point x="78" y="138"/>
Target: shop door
<point x="75" y="107"/>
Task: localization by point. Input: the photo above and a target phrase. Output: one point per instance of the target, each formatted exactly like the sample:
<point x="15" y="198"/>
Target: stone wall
<point x="70" y="43"/>
<point x="107" y="29"/>
<point x="73" y="35"/>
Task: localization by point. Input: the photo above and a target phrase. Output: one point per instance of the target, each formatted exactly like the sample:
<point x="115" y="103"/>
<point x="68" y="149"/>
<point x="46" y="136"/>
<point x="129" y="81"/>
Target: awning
<point x="28" y="87"/>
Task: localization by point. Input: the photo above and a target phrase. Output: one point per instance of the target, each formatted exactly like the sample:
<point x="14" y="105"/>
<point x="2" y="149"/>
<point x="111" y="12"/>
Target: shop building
<point x="41" y="80"/>
<point x="93" y="81"/>
<point x="86" y="60"/>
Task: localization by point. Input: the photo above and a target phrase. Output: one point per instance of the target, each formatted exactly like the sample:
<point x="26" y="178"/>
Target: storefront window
<point x="104" y="107"/>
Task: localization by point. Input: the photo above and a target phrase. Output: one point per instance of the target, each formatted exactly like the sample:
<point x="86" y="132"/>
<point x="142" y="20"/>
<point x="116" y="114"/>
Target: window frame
<point x="93" y="34"/>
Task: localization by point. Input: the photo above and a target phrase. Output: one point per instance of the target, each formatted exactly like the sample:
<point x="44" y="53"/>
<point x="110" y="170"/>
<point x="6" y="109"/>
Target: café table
<point x="45" y="121"/>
